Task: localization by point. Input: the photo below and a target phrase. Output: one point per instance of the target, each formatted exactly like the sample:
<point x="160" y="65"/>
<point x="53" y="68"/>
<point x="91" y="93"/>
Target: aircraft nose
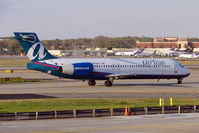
<point x="187" y="71"/>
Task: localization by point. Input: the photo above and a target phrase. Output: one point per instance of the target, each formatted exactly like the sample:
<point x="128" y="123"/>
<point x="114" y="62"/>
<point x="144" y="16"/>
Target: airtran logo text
<point x="82" y="68"/>
<point x="153" y="63"/>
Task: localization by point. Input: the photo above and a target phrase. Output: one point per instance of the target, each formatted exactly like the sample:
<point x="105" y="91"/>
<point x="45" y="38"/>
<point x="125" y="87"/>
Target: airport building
<point x="56" y="52"/>
<point x="168" y="42"/>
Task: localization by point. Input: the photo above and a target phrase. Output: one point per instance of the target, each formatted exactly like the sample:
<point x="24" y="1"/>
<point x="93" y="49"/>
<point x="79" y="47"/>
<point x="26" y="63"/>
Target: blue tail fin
<point x="34" y="49"/>
<point x="139" y="51"/>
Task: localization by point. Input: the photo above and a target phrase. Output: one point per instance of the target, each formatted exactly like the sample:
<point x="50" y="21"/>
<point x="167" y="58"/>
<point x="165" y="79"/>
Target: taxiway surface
<point x="56" y="87"/>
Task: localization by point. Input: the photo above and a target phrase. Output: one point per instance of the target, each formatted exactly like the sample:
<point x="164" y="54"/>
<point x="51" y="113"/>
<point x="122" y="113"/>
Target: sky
<point x="64" y="19"/>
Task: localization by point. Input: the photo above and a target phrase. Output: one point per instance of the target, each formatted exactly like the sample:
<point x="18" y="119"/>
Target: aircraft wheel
<point x="179" y="81"/>
<point x="108" y="83"/>
<point x="91" y="82"/>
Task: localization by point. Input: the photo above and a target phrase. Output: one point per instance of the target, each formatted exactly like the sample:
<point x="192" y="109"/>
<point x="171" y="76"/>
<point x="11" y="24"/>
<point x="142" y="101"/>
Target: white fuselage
<point x="127" y="66"/>
<point x="188" y="56"/>
<point x="125" y="53"/>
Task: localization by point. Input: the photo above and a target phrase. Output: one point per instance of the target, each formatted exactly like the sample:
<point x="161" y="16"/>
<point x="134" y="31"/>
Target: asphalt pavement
<point x="171" y="123"/>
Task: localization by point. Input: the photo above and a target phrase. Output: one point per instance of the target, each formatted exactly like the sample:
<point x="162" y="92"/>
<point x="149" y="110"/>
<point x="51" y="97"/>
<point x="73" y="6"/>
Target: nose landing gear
<point x="179" y="81"/>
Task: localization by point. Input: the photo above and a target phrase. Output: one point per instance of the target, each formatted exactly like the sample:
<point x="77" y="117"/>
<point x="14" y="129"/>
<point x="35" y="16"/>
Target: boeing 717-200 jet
<point x="92" y="69"/>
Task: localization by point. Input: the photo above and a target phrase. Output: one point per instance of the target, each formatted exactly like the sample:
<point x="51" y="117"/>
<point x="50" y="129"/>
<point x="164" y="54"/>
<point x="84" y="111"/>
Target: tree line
<point x="12" y="47"/>
<point x="99" y="41"/>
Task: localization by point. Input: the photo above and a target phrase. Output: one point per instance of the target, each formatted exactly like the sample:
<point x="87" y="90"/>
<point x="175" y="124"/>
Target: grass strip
<point x="85" y="103"/>
<point x="16" y="62"/>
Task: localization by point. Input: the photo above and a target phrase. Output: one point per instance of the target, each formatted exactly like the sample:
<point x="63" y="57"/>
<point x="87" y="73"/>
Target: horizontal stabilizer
<point x="7" y="37"/>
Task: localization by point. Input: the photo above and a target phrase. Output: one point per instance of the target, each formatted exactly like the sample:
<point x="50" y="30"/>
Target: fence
<point x="97" y="113"/>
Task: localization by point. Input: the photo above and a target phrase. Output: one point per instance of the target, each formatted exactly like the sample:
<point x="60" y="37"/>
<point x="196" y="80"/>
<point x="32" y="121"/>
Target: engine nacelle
<point x="77" y="69"/>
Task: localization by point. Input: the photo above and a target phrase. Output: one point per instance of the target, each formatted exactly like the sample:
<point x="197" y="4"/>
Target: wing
<point x="121" y="76"/>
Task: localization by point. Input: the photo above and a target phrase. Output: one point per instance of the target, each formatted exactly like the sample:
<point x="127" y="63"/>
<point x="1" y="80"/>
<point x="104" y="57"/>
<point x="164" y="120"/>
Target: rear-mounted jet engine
<point x="77" y="69"/>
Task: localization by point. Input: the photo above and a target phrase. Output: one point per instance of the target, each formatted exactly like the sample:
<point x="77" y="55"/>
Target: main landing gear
<point x="179" y="81"/>
<point x="91" y="82"/>
<point x="108" y="83"/>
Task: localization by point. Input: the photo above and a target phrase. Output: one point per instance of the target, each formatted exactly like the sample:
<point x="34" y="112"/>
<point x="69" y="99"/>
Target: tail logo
<point x="40" y="53"/>
<point x="29" y="38"/>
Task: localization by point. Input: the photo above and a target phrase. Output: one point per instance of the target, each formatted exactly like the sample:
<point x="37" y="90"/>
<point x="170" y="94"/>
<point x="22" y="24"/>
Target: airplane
<point x="91" y="69"/>
<point x="170" y="52"/>
<point x="189" y="56"/>
<point x="129" y="53"/>
<point x="146" y="54"/>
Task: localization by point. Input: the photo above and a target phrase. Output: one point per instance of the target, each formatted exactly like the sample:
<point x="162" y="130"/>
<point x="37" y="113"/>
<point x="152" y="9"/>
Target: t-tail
<point x="34" y="49"/>
<point x="139" y="51"/>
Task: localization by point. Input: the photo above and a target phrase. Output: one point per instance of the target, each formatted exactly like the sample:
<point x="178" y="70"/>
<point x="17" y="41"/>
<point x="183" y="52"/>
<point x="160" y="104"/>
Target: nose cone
<point x="187" y="72"/>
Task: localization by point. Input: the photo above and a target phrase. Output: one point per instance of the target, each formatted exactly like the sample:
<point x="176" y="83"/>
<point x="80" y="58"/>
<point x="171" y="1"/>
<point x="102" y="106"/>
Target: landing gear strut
<point x="108" y="83"/>
<point x="179" y="81"/>
<point x="91" y="82"/>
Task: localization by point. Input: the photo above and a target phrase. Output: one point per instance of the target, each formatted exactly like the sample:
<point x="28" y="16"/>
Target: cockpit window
<point x="180" y="65"/>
